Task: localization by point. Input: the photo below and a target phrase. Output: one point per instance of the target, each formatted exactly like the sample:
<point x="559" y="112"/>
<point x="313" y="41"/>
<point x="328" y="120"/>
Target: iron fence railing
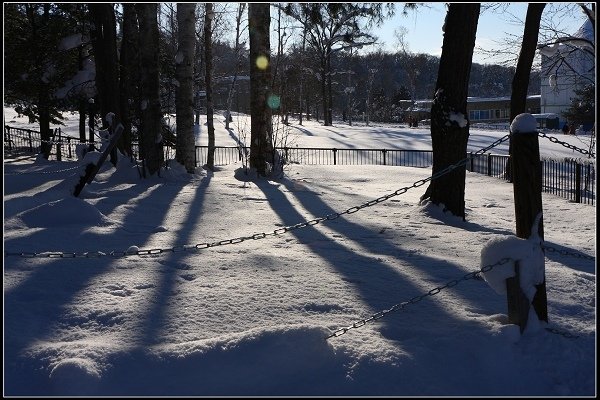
<point x="573" y="179"/>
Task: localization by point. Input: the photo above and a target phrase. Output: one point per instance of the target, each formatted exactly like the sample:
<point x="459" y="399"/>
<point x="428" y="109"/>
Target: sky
<point x="425" y="34"/>
<point x="256" y="318"/>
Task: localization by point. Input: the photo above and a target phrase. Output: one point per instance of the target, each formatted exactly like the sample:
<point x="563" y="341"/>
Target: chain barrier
<point x="257" y="236"/>
<point x="567" y="145"/>
<point x="45" y="172"/>
<point x="551" y="249"/>
<point x="416" y="299"/>
<point x="315" y="221"/>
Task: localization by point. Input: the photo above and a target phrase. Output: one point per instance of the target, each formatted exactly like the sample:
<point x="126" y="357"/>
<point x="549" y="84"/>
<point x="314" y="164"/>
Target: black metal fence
<point x="573" y="179"/>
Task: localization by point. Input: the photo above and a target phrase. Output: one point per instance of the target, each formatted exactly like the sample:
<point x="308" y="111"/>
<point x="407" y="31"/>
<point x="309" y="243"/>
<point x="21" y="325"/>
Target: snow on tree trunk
<point x="449" y="124"/>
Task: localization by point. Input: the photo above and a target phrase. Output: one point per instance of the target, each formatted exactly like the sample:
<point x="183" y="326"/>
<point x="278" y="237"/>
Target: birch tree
<point x="184" y="71"/>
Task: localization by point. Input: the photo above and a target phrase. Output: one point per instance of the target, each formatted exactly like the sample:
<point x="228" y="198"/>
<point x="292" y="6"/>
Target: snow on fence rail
<point x="573" y="179"/>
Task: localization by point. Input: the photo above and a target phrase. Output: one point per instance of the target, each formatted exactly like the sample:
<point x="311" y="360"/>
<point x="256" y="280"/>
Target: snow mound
<point x="74" y="376"/>
<point x="67" y="211"/>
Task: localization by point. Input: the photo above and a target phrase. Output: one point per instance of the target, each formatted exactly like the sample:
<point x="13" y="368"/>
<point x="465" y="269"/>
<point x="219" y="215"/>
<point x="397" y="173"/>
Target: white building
<point x="567" y="65"/>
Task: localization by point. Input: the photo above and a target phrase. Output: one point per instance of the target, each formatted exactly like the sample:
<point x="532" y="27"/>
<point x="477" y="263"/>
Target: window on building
<point x="484" y="114"/>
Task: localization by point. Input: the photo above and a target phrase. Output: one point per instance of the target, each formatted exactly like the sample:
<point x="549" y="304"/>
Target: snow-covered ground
<point x="251" y="318"/>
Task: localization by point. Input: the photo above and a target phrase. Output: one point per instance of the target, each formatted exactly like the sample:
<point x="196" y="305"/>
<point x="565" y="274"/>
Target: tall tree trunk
<point x="329" y="113"/>
<point x="184" y="70"/>
<point x="151" y="138"/>
<point x="128" y="71"/>
<point x="520" y="83"/>
<point x="210" y="162"/>
<point x="260" y="76"/>
<point x="238" y="24"/>
<point x="104" y="43"/>
<point x="449" y="117"/>
<point x="324" y="90"/>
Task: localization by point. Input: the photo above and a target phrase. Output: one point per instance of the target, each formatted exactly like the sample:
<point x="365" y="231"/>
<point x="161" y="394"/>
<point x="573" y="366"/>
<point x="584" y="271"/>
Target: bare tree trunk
<point x="238" y="23"/>
<point x="151" y="138"/>
<point x="449" y="123"/>
<point x="104" y="42"/>
<point x="260" y="77"/>
<point x="128" y="75"/>
<point x="520" y="83"/>
<point x="210" y="162"/>
<point x="184" y="70"/>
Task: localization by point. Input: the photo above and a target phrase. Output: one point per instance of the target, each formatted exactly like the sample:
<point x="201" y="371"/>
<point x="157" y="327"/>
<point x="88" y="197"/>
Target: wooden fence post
<point x="527" y="185"/>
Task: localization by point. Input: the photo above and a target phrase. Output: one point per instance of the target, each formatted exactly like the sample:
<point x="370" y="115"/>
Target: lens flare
<point x="273" y="101"/>
<point x="262" y="62"/>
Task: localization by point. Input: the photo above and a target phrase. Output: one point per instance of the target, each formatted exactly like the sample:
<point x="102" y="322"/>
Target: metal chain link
<point x="416" y="299"/>
<point x="570" y="146"/>
<point x="44" y="172"/>
<point x="257" y="236"/>
<point x="567" y="253"/>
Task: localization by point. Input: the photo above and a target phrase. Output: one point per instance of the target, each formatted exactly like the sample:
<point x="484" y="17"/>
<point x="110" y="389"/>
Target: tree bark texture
<point x="449" y="117"/>
<point x="210" y="162"/>
<point x="128" y="72"/>
<point x="260" y="77"/>
<point x="184" y="69"/>
<point x="520" y="83"/>
<point x="151" y="139"/>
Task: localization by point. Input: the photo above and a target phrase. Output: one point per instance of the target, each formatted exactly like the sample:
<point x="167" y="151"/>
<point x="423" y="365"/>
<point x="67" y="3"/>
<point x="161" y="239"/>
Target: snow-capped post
<point x="527" y="186"/>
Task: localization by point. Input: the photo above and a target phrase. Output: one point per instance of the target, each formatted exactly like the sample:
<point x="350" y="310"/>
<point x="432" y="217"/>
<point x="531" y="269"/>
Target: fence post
<point x="58" y="146"/>
<point x="489" y="164"/>
<point x="577" y="182"/>
<point x="334" y="156"/>
<point x="518" y="303"/>
<point x="527" y="186"/>
<point x="384" y="151"/>
<point x="472" y="161"/>
<point x="69" y="146"/>
<point x="7" y="132"/>
<point x="30" y="142"/>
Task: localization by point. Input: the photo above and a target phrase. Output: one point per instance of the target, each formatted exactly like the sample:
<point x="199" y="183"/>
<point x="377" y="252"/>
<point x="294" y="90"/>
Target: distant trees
<point x="331" y="27"/>
<point x="449" y="117"/>
<point x="583" y="106"/>
<point x="34" y="65"/>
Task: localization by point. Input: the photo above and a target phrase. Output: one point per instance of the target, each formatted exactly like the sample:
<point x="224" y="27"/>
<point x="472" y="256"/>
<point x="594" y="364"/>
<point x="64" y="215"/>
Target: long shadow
<point x="570" y="261"/>
<point x="235" y="137"/>
<point x="157" y="313"/>
<point x="36" y="306"/>
<point x="304" y="130"/>
<point x="352" y="265"/>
